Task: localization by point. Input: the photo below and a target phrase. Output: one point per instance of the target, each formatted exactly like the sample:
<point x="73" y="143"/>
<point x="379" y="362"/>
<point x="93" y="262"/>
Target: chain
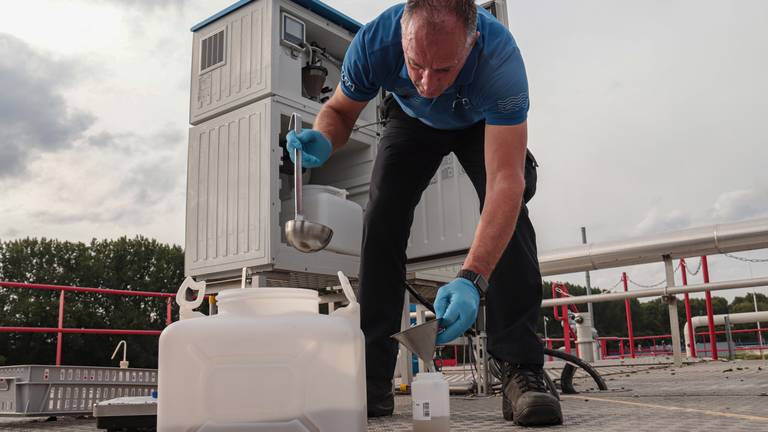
<point x="750" y="260"/>
<point x="698" y="268"/>
<point x="646" y="286"/>
<point x="677" y="267"/>
<point x="617" y="283"/>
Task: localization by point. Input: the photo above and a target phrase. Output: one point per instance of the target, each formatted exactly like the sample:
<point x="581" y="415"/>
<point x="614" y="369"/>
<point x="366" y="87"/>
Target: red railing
<point x="561" y="314"/>
<point x="561" y="290"/>
<point x="61" y="330"/>
<point x="616" y="347"/>
<point x="661" y="344"/>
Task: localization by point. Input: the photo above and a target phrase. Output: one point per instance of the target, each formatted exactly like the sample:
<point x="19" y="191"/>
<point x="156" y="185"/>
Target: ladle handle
<point x="297" y="178"/>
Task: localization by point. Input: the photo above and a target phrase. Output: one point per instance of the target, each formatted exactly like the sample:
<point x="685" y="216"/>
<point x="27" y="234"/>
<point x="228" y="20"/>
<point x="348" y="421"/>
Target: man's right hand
<point x="315" y="147"/>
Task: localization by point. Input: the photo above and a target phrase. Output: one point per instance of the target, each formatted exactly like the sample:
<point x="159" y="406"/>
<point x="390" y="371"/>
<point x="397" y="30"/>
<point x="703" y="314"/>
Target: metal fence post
<point x="671" y="301"/>
<point x="729" y="338"/>
<point x="710" y="312"/>
<point x="60" y="335"/>
<point x="630" y="332"/>
<point x="691" y="332"/>
<point x="168" y="316"/>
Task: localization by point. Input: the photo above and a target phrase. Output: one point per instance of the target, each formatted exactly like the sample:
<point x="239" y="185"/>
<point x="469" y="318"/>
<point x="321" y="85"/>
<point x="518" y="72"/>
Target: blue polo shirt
<point x="491" y="86"/>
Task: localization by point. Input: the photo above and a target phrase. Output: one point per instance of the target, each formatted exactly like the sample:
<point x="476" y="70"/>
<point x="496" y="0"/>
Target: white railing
<point x="717" y="239"/>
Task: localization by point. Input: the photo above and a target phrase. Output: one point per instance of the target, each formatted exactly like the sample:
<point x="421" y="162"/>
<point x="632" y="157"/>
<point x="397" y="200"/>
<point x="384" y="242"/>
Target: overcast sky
<point x="645" y="116"/>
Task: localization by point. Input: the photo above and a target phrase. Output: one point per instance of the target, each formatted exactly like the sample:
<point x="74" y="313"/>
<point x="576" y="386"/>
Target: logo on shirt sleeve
<point x="513" y="103"/>
<point x="345" y="79"/>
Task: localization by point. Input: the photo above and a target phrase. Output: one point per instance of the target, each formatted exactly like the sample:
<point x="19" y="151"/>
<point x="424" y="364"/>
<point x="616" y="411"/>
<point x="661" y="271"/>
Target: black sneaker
<point x="526" y="400"/>
<point x="381" y="400"/>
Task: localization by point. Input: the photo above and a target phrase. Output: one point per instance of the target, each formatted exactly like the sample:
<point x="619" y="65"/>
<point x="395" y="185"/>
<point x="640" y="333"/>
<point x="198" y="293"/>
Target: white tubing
<point x="739" y="318"/>
<point x="708" y="240"/>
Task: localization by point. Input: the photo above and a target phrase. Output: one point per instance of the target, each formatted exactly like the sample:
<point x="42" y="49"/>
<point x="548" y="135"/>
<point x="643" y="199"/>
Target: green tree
<point x="137" y="264"/>
<point x="746" y="304"/>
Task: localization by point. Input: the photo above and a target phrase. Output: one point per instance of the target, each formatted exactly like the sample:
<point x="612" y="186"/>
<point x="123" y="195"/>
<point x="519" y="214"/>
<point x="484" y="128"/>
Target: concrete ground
<point x="722" y="396"/>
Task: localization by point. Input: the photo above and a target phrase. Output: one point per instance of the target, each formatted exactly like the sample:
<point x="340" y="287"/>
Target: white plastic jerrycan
<point x="267" y="362"/>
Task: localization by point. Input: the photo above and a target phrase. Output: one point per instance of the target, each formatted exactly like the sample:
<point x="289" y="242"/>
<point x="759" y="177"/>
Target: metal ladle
<point x="300" y="233"/>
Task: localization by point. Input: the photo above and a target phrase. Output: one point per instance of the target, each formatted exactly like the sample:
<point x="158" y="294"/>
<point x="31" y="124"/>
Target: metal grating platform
<point x="724" y="396"/>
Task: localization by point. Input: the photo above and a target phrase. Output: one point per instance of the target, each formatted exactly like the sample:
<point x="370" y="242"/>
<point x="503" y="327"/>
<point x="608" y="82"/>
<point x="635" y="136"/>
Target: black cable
<point x="424" y="302"/>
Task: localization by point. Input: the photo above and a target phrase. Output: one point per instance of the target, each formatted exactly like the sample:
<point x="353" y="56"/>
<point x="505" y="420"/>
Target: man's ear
<point x="474" y="40"/>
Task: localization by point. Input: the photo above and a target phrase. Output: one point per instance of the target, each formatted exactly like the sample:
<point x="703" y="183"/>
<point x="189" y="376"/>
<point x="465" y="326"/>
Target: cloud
<point x="731" y="206"/>
<point x="10" y="233"/>
<point x="34" y="116"/>
<point x="658" y="221"/>
<point x="139" y="177"/>
<point x="741" y="204"/>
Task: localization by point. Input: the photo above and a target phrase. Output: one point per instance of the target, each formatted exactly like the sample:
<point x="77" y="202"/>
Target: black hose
<point x="426" y="303"/>
<point x="566" y="378"/>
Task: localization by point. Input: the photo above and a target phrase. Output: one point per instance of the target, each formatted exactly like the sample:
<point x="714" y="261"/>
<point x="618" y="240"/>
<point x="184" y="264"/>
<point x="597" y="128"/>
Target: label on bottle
<point x="421" y="410"/>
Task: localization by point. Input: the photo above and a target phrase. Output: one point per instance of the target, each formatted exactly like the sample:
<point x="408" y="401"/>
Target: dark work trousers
<point x="408" y="156"/>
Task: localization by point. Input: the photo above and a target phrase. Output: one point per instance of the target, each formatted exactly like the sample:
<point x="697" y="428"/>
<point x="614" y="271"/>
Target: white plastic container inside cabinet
<point x="329" y="206"/>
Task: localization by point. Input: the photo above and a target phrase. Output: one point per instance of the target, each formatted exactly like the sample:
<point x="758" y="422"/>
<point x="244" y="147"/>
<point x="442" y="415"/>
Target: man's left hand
<point x="456" y="304"/>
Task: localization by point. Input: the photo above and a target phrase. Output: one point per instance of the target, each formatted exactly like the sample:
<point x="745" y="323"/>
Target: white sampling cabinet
<point x="253" y="64"/>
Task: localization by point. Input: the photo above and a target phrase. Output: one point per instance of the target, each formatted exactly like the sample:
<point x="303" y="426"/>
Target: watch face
<point x="476" y="279"/>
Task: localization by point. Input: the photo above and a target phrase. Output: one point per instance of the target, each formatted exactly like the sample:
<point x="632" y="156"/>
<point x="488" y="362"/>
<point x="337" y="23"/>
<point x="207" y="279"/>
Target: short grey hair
<point x="464" y="10"/>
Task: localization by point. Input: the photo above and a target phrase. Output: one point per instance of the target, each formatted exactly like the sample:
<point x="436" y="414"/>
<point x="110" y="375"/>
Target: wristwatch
<point x="477" y="280"/>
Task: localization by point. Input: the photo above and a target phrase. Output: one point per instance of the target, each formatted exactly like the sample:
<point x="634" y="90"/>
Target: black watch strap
<point x="477" y="280"/>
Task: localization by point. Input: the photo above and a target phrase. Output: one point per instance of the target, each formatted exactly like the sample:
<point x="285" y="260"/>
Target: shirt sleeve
<point x="505" y="101"/>
<point x="357" y="72"/>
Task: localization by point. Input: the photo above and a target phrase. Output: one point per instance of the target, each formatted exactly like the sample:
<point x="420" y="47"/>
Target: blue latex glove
<point x="315" y="147"/>
<point x="456" y="304"/>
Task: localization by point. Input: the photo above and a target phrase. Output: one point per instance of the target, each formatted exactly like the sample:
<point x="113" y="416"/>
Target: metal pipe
<point x="78" y="331"/>
<point x="671" y="300"/>
<point x="656" y="292"/>
<point x="630" y="333"/>
<point x="587" y="276"/>
<point x="715" y="239"/>
<point x="759" y="330"/>
<point x="738" y="318"/>
<point x="690" y="348"/>
<point x="729" y="339"/>
<point x="84" y="289"/>
<point x="710" y="311"/>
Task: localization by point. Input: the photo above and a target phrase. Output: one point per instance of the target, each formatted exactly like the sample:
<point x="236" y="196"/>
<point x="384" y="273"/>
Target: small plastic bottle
<point x="431" y="404"/>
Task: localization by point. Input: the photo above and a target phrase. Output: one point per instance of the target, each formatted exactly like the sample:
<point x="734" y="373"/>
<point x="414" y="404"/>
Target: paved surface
<point x="722" y="396"/>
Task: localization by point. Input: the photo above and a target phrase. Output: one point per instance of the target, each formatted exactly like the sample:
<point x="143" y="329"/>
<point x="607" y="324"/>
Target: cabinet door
<point x="228" y="191"/>
<point x="230" y="62"/>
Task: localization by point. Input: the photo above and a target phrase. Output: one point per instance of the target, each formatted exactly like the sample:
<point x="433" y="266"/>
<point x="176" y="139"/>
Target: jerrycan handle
<point x="352" y="310"/>
<point x="184" y="298"/>
<point x="346" y="287"/>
